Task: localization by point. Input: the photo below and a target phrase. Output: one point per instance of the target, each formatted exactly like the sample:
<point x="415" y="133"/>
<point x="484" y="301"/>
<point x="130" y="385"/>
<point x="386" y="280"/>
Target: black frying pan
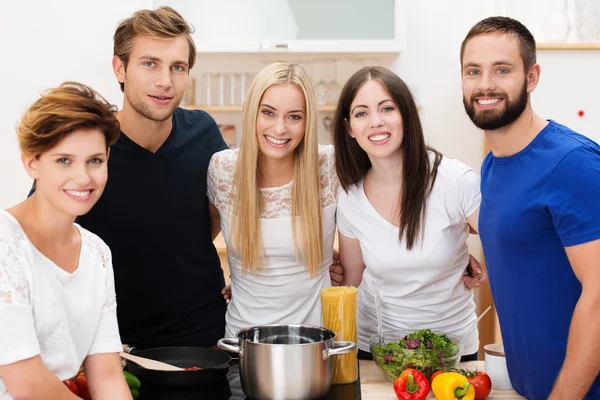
<point x="214" y="364"/>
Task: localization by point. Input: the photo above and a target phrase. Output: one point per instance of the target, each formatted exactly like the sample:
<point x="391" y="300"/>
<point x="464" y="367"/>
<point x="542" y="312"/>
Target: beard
<point x="490" y="120"/>
<point x="143" y="109"/>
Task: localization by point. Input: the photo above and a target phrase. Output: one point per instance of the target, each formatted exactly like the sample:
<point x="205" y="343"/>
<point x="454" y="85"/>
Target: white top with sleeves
<point x="46" y="311"/>
<point x="282" y="291"/>
<point x="421" y="288"/>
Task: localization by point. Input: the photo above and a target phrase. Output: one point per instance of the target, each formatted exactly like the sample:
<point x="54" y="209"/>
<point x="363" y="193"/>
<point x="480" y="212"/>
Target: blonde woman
<point x="274" y="199"/>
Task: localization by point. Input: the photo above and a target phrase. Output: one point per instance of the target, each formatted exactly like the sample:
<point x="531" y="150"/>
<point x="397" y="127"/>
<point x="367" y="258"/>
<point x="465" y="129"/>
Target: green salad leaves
<point x="422" y="350"/>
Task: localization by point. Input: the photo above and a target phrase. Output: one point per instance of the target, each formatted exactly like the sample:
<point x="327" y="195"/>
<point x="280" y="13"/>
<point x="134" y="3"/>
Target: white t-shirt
<point x="46" y="311"/>
<point x="421" y="288"/>
<point x="283" y="291"/>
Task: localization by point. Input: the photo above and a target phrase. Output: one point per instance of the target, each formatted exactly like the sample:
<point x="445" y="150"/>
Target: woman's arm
<point x="351" y="261"/>
<point x="102" y="367"/>
<point x="473" y="221"/>
<point x="105" y="379"/>
<point x="30" y="379"/>
<point x="476" y="276"/>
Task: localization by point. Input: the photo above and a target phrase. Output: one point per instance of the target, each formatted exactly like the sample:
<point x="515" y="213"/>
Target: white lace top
<point x="46" y="311"/>
<point x="283" y="291"/>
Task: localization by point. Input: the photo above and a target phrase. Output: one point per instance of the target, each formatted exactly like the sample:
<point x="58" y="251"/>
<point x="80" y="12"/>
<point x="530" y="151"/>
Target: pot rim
<point x="250" y="328"/>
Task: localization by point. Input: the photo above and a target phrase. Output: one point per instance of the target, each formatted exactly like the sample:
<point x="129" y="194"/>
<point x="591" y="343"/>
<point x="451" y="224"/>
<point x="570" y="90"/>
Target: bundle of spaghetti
<point x="339" y="311"/>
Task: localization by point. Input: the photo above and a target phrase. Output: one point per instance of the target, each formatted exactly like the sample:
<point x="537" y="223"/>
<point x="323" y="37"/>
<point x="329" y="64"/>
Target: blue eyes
<point x="177" y="68"/>
<point x="270" y="113"/>
<point x="499" y="70"/>
<point x="66" y="161"/>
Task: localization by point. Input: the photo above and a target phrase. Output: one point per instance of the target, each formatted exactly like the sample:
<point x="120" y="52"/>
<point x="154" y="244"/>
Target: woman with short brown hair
<point x="57" y="296"/>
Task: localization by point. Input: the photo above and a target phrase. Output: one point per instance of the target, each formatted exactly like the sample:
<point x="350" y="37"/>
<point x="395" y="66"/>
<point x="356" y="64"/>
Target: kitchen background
<point x="48" y="41"/>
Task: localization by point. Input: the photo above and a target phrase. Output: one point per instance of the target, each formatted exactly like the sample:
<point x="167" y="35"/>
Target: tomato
<point x="481" y="382"/>
<point x="81" y="383"/>
<point x="72" y="386"/>
<point x="436" y="373"/>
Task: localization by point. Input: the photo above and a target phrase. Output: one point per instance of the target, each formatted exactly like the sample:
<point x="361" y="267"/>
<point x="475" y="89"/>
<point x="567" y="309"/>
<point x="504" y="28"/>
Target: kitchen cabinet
<point x="294" y="26"/>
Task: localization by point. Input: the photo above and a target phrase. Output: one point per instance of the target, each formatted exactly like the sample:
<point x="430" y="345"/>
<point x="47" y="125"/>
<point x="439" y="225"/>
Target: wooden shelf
<point x="568" y="46"/>
<point x="209" y="109"/>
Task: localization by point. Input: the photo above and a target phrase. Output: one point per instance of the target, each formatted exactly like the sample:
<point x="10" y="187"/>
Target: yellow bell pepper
<point x="452" y="386"/>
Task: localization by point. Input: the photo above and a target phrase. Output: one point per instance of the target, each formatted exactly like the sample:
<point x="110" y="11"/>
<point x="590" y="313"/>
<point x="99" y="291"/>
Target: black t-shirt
<point x="154" y="216"/>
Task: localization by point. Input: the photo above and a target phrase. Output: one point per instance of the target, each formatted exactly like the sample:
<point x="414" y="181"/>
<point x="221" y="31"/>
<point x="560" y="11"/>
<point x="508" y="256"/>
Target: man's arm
<point x="215" y="220"/>
<point x="582" y="361"/>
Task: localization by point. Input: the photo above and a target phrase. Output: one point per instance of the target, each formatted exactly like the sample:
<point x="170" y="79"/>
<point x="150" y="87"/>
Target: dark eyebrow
<point x="496" y="63"/>
<point x="362" y="105"/>
<point x="274" y="109"/>
<point x="181" y="63"/>
<point x="72" y="156"/>
<point x="151" y="58"/>
<point x="502" y="62"/>
<point x="157" y="59"/>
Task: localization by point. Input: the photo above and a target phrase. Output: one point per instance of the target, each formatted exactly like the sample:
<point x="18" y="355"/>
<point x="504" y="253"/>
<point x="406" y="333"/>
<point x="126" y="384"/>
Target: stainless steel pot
<point x="286" y="362"/>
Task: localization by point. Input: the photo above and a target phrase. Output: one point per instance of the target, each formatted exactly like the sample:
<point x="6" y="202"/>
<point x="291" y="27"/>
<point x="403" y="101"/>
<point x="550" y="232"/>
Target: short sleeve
<point x="18" y="337"/>
<point x="212" y="179"/>
<point x="342" y="221"/>
<point x="574" y="190"/>
<point x="221" y="170"/>
<point x="107" y="338"/>
<point x="329" y="179"/>
<point x="469" y="188"/>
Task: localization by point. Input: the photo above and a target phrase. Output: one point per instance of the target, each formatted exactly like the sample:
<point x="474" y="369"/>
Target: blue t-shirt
<point x="534" y="204"/>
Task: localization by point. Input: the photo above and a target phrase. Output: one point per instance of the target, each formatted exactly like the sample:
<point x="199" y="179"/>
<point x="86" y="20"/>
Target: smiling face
<point x="281" y="121"/>
<point x="155" y="77"/>
<point x="375" y="121"/>
<point x="494" y="81"/>
<point x="71" y="175"/>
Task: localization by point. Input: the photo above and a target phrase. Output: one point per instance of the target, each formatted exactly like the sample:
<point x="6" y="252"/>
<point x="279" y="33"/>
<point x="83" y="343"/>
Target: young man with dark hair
<point x="539" y="220"/>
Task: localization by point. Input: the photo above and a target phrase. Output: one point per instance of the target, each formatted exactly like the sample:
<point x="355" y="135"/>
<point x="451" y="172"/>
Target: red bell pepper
<point x="82" y="386"/>
<point x="411" y="385"/>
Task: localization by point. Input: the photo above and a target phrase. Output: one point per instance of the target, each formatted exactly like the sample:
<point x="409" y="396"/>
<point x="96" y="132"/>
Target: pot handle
<point x="230" y="344"/>
<point x="339" y="348"/>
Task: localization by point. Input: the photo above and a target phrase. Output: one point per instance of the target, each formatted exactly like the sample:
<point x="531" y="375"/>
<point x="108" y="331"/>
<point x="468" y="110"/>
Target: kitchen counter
<point x="374" y="386"/>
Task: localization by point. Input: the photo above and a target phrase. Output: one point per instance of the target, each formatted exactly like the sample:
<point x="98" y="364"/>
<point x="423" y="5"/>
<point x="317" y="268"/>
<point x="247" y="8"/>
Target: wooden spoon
<point x="150" y="364"/>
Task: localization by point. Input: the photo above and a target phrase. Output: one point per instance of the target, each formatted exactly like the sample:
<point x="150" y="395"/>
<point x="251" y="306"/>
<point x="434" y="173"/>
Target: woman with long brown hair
<point x="404" y="214"/>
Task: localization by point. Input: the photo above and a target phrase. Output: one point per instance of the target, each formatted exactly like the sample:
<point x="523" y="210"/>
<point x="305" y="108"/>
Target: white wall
<point x="569" y="83"/>
<point x="45" y="43"/>
<point x="431" y="64"/>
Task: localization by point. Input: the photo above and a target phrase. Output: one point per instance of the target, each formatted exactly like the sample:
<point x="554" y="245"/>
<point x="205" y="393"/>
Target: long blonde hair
<point x="306" y="187"/>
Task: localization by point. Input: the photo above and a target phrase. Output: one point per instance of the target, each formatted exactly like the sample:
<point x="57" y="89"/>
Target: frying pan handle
<point x="230" y="344"/>
<point x="339" y="348"/>
<point x="128" y="349"/>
